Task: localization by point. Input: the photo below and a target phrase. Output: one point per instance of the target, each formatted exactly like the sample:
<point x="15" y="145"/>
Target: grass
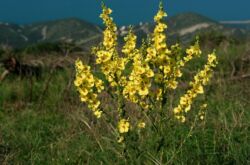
<point x="55" y="128"/>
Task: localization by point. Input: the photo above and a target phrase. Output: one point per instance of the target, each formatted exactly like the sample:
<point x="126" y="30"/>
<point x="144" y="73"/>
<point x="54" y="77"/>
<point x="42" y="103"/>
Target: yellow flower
<point x="203" y="106"/>
<point x="141" y="125"/>
<point x="139" y="70"/>
<point x="200" y="89"/>
<point x="193" y="51"/>
<point x="161" y="14"/>
<point x="158" y="78"/>
<point x="160" y="28"/>
<point x="83" y="91"/>
<point x="158" y="94"/>
<point x="183" y="101"/>
<point x="187" y="108"/>
<point x="166" y="69"/>
<point x="123" y="81"/>
<point x="120" y="139"/>
<point x="95" y="104"/>
<point x="99" y="85"/>
<point x="123" y="126"/>
<point x="181" y="63"/>
<point x="83" y="98"/>
<point x="103" y="56"/>
<point x="79" y="65"/>
<point x="78" y="81"/>
<point x="144" y="105"/>
<point x="181" y="118"/>
<point x="160" y="46"/>
<point x="178" y="73"/>
<point x="172" y="84"/>
<point x="98" y="114"/>
<point x="212" y="59"/>
<point x="151" y="54"/>
<point x="177" y="110"/>
<point x="106" y="11"/>
<point x="143" y="91"/>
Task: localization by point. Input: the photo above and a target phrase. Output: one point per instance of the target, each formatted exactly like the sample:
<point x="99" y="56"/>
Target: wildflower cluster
<point x="129" y="48"/>
<point x="202" y="111"/>
<point x="200" y="79"/>
<point x="88" y="87"/>
<point x="139" y="83"/>
<point x="123" y="126"/>
<point x="141" y="76"/>
<point x="162" y="58"/>
<point x="193" y="51"/>
<point x="107" y="56"/>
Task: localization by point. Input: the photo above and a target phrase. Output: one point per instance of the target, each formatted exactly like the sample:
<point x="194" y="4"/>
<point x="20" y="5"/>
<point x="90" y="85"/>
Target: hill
<point x="66" y="30"/>
<point x="237" y="24"/>
<point x="182" y="27"/>
<point x="69" y="30"/>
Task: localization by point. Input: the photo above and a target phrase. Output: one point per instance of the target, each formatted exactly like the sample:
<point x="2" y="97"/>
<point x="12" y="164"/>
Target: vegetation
<point x="52" y="126"/>
<point x="56" y="128"/>
<point x="143" y="77"/>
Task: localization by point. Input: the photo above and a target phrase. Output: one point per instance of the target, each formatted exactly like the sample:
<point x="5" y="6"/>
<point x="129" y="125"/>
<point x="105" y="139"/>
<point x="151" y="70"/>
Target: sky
<point x="125" y="11"/>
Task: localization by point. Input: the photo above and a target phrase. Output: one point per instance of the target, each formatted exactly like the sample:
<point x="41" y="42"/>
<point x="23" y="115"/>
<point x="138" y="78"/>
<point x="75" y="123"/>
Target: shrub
<point x="141" y="76"/>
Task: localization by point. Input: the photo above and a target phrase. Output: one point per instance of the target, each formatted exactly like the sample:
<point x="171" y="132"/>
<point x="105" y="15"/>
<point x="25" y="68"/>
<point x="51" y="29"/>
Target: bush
<point x="143" y="78"/>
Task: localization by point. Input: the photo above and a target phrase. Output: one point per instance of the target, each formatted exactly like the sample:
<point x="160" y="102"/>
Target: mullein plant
<point x="154" y="71"/>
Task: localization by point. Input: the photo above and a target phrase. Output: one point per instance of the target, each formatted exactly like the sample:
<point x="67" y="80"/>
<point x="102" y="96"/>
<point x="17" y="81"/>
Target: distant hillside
<point x="68" y="30"/>
<point x="182" y="27"/>
<point x="12" y="34"/>
<point x="237" y="24"/>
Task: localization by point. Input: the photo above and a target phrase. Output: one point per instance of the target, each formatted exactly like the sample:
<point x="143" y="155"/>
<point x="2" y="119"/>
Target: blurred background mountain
<point x="182" y="27"/>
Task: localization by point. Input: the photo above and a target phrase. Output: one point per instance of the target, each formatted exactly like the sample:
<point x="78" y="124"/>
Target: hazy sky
<point x="125" y="11"/>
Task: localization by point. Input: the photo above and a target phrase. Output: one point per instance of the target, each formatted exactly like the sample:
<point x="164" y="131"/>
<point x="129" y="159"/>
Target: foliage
<point x="42" y="48"/>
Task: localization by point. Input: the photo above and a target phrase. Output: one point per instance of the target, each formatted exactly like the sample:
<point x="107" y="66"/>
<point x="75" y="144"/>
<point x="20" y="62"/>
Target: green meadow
<point x="45" y="123"/>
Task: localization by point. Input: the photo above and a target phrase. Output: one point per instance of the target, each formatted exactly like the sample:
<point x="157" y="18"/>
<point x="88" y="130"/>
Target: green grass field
<point x="54" y="127"/>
